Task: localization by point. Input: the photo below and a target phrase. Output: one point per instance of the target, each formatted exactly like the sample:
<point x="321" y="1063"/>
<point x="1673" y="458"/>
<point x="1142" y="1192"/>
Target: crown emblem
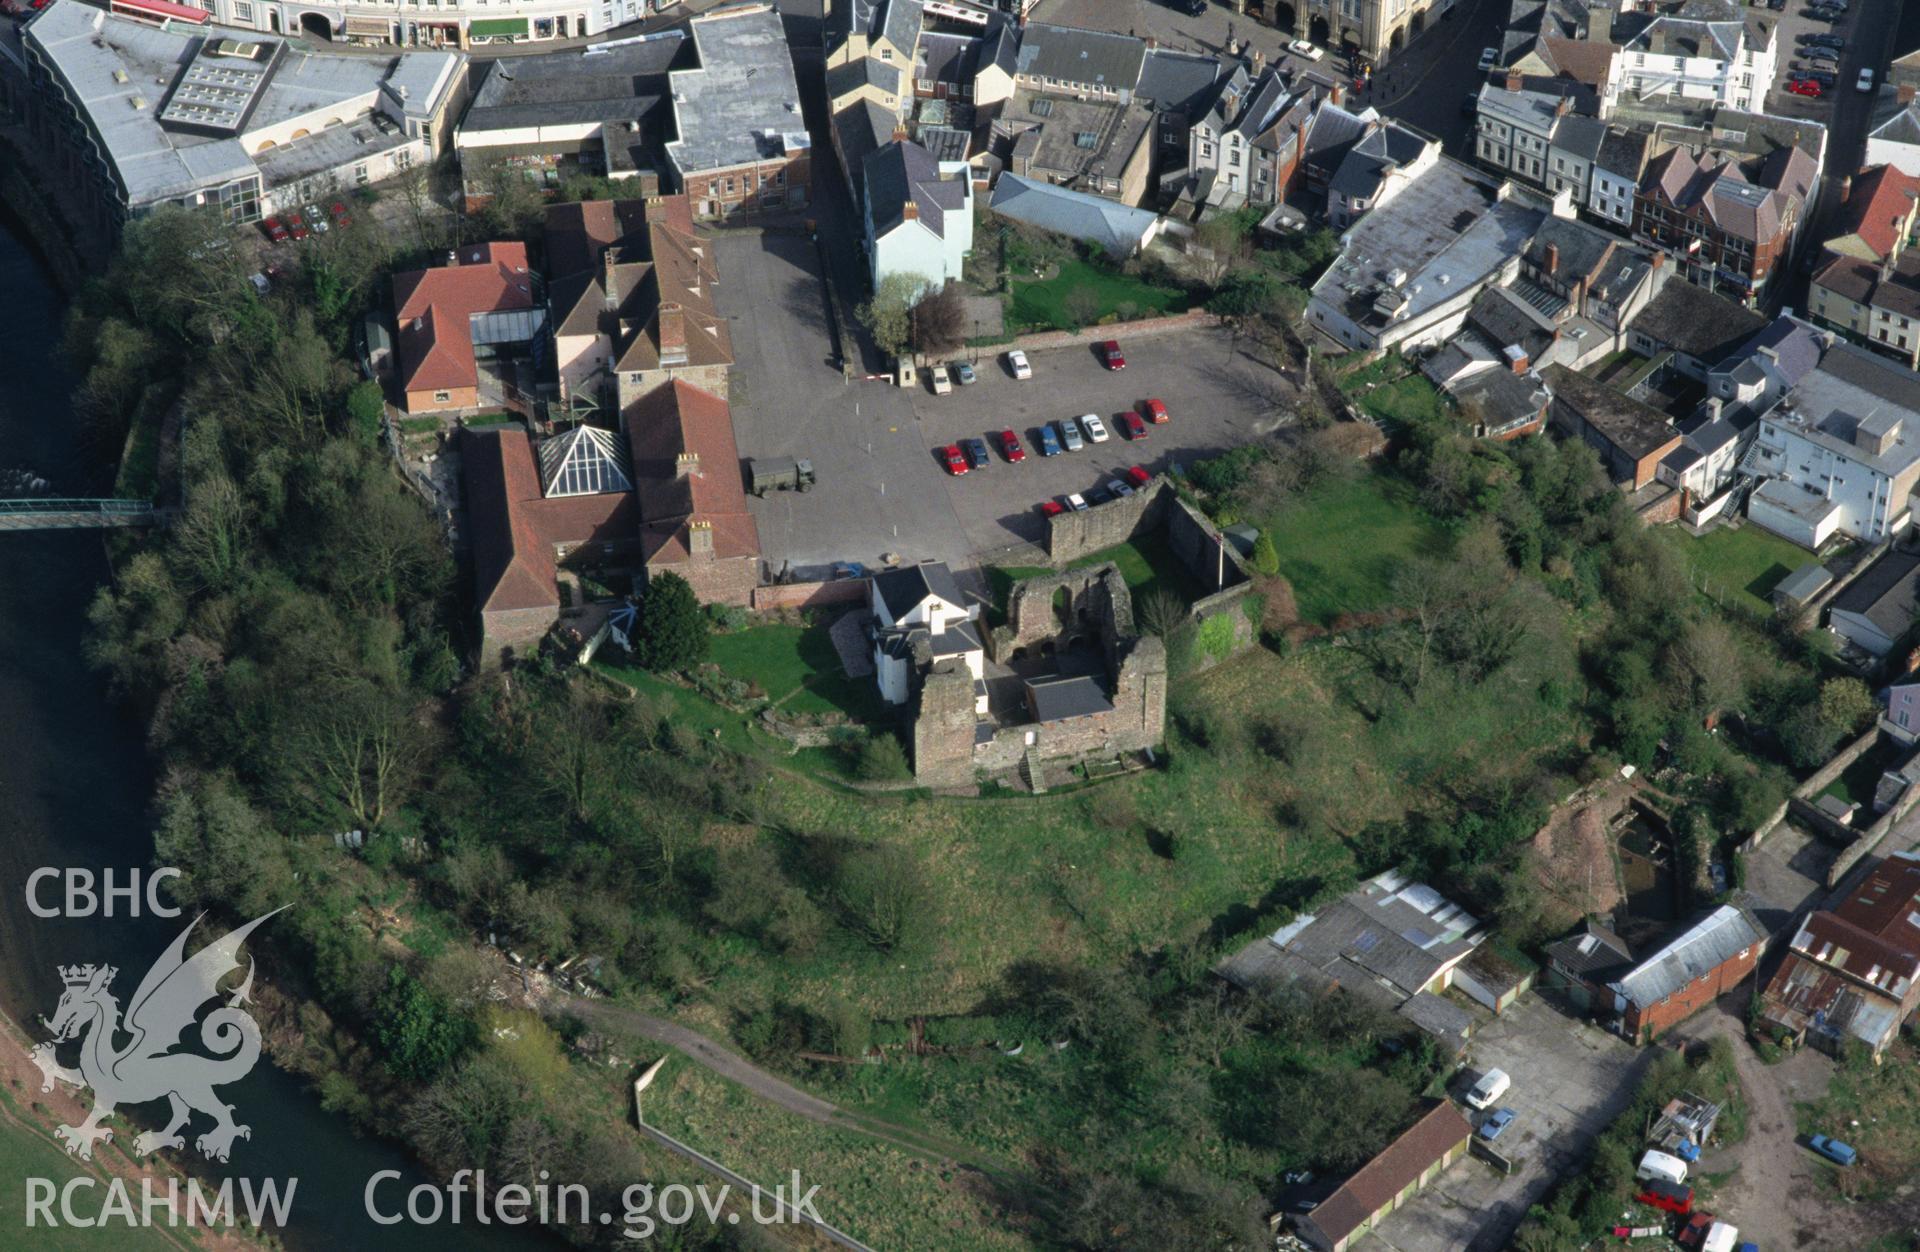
<point x="81" y="975"/>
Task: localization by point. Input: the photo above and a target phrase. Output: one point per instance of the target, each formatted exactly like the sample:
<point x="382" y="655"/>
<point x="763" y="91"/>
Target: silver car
<point x="1070" y="435"/>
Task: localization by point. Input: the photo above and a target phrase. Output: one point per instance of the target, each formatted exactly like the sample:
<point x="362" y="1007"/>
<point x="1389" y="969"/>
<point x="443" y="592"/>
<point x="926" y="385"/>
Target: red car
<point x="1155" y="411"/>
<point x="339" y="213"/>
<point x="1804" y="87"/>
<point x="1010" y="446"/>
<point x="1670" y="1196"/>
<point x="275" y="231"/>
<point x="297" y="226"/>
<point x="1110" y="351"/>
<point x="1052" y="508"/>
<point x="1131" y="426"/>
<point x="1138" y="476"/>
<point x="956" y="460"/>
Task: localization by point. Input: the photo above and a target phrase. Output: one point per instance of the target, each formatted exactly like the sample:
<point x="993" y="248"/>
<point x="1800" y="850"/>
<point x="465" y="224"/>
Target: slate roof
<point x="1060" y="699"/>
<point x="1581" y="136"/>
<point x="1789" y="348"/>
<point x="662" y="426"/>
<point x="851" y="75"/>
<point x="1623" y="152"/>
<point x="1173" y="79"/>
<point x="1885" y="594"/>
<point x="903" y="590"/>
<point x="1117" y="227"/>
<point x="1804" y="583"/>
<point x="903" y="171"/>
<point x="1638" y="430"/>
<point x="1861" y="281"/>
<point x="1377" y="154"/>
<point x="1071" y="55"/>
<point x="861" y="128"/>
<point x="432" y="309"/>
<point x="1393" y="930"/>
<point x="1707" y="943"/>
<point x="1579" y="250"/>
<point x="1439" y="1131"/>
<point x="1694" y="321"/>
<point x="946" y="58"/>
<point x="1591" y="953"/>
<point x="626" y="82"/>
<point x="901" y="25"/>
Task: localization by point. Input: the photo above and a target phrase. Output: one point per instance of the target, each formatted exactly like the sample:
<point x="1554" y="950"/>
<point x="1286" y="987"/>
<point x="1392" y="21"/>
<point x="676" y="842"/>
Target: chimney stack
<point x="609" y="277"/>
<point x="1904" y="93"/>
<point x="1517" y="358"/>
<point x="686" y="465"/>
<point x="1553" y="258"/>
<point x="910" y="211"/>
<point x="700" y="538"/>
<point x="1513" y="80"/>
<point x="673" y="333"/>
<point x="900" y="132"/>
<point x="1561" y="106"/>
<point x="1337" y="95"/>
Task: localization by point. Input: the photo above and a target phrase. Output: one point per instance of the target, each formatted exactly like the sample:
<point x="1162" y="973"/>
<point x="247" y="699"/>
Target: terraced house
<point x="1729" y="224"/>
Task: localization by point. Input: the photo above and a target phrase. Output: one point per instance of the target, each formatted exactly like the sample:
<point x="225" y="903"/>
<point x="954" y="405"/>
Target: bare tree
<point x="940" y="321"/>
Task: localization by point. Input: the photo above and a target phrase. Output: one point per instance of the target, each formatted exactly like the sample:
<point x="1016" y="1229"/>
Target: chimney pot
<point x="1513" y="80"/>
<point x="910" y="211"/>
<point x="686" y="465"/>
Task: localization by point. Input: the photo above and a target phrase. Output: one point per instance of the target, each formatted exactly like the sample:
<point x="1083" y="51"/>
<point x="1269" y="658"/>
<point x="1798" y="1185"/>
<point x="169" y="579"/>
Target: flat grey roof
<point x="627" y="82"/>
<point x="1850" y="388"/>
<point x="742" y="105"/>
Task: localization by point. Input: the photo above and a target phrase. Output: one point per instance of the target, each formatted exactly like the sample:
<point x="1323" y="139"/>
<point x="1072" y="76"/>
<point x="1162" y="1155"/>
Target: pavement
<point x="1570" y="1080"/>
<point x="881" y="487"/>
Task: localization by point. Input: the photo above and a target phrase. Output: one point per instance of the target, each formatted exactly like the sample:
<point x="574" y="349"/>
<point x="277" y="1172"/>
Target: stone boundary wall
<point x="1872" y="836"/>
<point x="1072" y="535"/>
<point x="1041" y="341"/>
<point x="776" y="596"/>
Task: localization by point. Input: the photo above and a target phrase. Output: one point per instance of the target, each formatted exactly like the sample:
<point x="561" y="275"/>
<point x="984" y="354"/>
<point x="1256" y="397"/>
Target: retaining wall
<point x="778" y="596"/>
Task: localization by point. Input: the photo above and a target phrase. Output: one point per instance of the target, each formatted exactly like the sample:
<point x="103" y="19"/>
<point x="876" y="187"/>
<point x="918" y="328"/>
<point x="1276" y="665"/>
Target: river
<point x="75" y="781"/>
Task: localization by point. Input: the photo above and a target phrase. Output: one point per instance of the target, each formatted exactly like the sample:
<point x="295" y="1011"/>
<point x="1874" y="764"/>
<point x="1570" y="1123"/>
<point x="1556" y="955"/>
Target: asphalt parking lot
<point x="882" y="488"/>
<point x="1570" y="1079"/>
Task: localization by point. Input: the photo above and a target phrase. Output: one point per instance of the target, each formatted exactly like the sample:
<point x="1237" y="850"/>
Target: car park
<point x="1052" y="508"/>
<point x="963" y="372"/>
<point x="1077" y="502"/>
<point x="1155" y="411"/>
<point x="1095" y="429"/>
<point x="276" y="231"/>
<point x="1496" y="1124"/>
<point x="976" y="450"/>
<point x="1834" y="1150"/>
<point x="1070" y="435"/>
<point x="1131" y="426"/>
<point x="1488" y="57"/>
<point x="1017" y="362"/>
<point x="1047" y="441"/>
<point x="955" y="459"/>
<point x="1116" y="488"/>
<point x="1111" y="354"/>
<point x="1865" y="81"/>
<point x="1805" y="87"/>
<point x="1139" y="476"/>
<point x="341" y="217"/>
<point x="1010" y="447"/>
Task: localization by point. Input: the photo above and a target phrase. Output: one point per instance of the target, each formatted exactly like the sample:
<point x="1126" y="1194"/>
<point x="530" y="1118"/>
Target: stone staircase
<point x="1035" y="776"/>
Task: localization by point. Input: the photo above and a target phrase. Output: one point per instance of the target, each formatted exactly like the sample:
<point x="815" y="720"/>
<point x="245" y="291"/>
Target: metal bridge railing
<point x="48" y="504"/>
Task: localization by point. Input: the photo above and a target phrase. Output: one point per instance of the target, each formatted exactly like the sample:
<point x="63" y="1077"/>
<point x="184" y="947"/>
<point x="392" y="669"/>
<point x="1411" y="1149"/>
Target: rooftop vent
<point x="138" y="102"/>
<point x="119" y="76"/>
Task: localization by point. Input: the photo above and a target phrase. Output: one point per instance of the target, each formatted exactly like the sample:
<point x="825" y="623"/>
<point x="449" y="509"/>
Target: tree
<point x="1265" y="559"/>
<point x="1846" y="705"/>
<point x="1080" y="308"/>
<point x="881" y="893"/>
<point x="366" y="409"/>
<point x="888" y="317"/>
<point x="421" y="1036"/>
<point x="940" y="322"/>
<point x="673" y="632"/>
<point x="1225" y="238"/>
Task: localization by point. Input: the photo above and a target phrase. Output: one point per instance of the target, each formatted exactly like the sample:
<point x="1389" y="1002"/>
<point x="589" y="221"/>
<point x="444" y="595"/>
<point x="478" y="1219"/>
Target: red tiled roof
<point x="1387" y="1175"/>
<point x="1876" y="208"/>
<point x="514" y="529"/>
<point x="1887" y="903"/>
<point x="432" y="309"/>
<point x="670" y="422"/>
<point x="661" y="261"/>
<point x="1832" y="940"/>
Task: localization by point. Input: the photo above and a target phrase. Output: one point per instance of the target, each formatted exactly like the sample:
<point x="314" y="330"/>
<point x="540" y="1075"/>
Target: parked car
<point x="1010" y="447"/>
<point x="1077" y="502"/>
<point x="341" y="217"/>
<point x="1095" y="428"/>
<point x="1496" y="1124"/>
<point x="1117" y="488"/>
<point x="955" y="459"/>
<point x="1821" y="54"/>
<point x="1131" y="426"/>
<point x="1670" y="1196"/>
<point x="1302" y="47"/>
<point x="1488" y="57"/>
<point x="1470" y="105"/>
<point x="1192" y="8"/>
<point x="1824" y="41"/>
<point x="1834" y="1150"/>
<point x="963" y="371"/>
<point x="1155" y="411"/>
<point x="276" y="232"/>
<point x="1017" y="362"/>
<point x="1865" y="81"/>
<point x="1492" y="1085"/>
<point x="1052" y="508"/>
<point x="977" y="452"/>
<point x="1805" y="87"/>
<point x="1778" y="6"/>
<point x="1098" y="496"/>
<point x="1821" y="77"/>
<point x="296" y="226"/>
<point x="941" y="380"/>
<point x="1070" y="435"/>
<point x="1111" y="354"/>
<point x="1139" y="476"/>
<point x="1049" y="443"/>
<point x="317" y="219"/>
<point x="1657" y="1164"/>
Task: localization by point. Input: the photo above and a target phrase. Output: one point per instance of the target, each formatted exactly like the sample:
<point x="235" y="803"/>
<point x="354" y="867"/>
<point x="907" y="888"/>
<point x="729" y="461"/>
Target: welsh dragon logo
<point x="145" y="1068"/>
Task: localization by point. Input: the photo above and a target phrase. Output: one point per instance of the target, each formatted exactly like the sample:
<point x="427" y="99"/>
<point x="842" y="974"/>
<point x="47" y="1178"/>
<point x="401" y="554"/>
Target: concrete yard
<point x="1570" y="1079"/>
<point x="881" y="486"/>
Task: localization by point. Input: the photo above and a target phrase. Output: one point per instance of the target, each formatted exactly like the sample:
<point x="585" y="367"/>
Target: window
<point x="1089" y="140"/>
<point x="242" y="11"/>
<point x="886" y="54"/>
<point x="360" y="173"/>
<point x="442" y="397"/>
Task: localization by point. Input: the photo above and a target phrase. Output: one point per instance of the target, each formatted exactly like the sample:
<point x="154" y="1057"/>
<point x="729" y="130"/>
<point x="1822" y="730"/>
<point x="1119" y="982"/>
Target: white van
<point x="1492" y="1085"/>
<point x="1657" y="1164"/>
<point x="1720" y="1238"/>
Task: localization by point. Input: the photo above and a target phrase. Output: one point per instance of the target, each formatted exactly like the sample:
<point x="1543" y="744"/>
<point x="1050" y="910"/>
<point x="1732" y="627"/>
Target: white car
<point x="1488" y="57"/>
<point x="1866" y="79"/>
<point x="317" y="220"/>
<point x="1303" y="48"/>
<point x="1492" y="1085"/>
<point x="1017" y="362"/>
<point x="1077" y="502"/>
<point x="1095" y="428"/>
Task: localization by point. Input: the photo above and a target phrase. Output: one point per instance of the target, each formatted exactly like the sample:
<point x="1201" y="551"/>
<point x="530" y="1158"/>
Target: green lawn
<point x="1146" y="562"/>
<point x="28" y="1152"/>
<point x="1041" y="303"/>
<point x="1743" y="565"/>
<point x="419" y="425"/>
<point x="797" y="667"/>
<point x="1340" y="546"/>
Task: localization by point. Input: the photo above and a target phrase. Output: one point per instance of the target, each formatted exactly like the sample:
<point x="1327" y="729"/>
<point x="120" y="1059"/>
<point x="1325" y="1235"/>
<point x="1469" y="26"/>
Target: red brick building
<point x="485" y="296"/>
<point x="1853" y="972"/>
<point x="1730" y="226"/>
<point x="1395" y="1176"/>
<point x="693" y="509"/>
<point x="1690" y="971"/>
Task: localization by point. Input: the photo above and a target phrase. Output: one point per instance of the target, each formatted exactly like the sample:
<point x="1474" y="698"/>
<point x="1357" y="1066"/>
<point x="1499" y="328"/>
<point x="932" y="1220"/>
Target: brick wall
<point x="458" y="398"/>
<point x="512" y="634"/>
<point x="729" y="580"/>
<point x="1645" y="1022"/>
<point x="708" y="378"/>
<point x="1072" y="535"/>
<point x="809" y="595"/>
